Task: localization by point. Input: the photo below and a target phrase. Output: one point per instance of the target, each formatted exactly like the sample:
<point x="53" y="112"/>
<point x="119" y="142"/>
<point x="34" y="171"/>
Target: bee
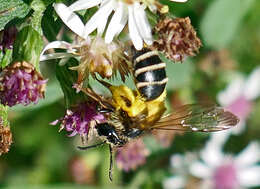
<point x="131" y="113"/>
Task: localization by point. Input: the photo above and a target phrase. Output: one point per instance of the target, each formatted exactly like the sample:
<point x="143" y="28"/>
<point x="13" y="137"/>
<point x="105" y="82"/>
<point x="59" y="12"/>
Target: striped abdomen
<point x="150" y="74"/>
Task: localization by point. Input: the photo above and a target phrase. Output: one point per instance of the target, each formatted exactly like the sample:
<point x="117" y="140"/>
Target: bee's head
<point x="109" y="132"/>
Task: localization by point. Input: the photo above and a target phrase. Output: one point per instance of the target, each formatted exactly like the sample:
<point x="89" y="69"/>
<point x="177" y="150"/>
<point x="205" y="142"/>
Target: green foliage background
<point x="40" y="156"/>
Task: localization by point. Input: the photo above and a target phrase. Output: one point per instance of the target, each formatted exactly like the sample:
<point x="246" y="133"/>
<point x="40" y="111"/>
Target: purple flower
<point x="227" y="171"/>
<point x="132" y="155"/>
<point x="20" y="83"/>
<point x="80" y="119"/>
<point x="8" y="38"/>
<point x="225" y="176"/>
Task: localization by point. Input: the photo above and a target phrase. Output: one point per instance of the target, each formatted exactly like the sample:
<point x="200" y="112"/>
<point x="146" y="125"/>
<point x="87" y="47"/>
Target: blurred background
<point x="223" y="72"/>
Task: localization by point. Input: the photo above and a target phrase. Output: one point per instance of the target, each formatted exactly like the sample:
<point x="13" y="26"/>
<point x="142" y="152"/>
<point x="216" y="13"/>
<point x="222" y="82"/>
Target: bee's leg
<point x="106" y="84"/>
<point x="111" y="163"/>
<point x="92" y="146"/>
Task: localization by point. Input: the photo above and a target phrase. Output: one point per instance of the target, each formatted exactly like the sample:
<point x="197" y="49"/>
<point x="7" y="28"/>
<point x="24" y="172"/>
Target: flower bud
<point x="132" y="155"/>
<point x="177" y="38"/>
<point x="5" y="137"/>
<point x="97" y="57"/>
<point x="80" y="118"/>
<point x="20" y="83"/>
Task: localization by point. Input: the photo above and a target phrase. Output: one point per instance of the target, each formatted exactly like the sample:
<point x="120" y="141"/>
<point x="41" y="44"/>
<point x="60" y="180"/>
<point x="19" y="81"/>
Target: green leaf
<point x="50" y="27"/>
<point x="67" y="79"/>
<point x="10" y="9"/>
<point x="4" y="115"/>
<point x="5" y="57"/>
<point x="221" y="21"/>
<point x="28" y="46"/>
<point x="39" y="7"/>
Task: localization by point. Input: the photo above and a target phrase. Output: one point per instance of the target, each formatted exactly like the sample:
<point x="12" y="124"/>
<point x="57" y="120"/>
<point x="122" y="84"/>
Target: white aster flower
<point x="225" y="171"/>
<point x="95" y="56"/>
<point x="122" y="11"/>
<point x="180" y="167"/>
<point x="239" y="95"/>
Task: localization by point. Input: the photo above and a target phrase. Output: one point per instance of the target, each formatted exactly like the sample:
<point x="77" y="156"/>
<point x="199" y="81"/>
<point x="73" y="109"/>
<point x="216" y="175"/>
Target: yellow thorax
<point x="132" y="102"/>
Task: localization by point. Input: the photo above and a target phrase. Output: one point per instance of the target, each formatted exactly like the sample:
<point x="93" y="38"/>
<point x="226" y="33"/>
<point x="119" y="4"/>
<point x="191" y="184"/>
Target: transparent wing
<point x="198" y="117"/>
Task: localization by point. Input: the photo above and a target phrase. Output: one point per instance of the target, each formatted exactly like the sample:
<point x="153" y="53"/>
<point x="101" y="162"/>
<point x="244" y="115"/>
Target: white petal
<point x="179" y="1"/>
<point x="219" y="138"/>
<point x="55" y="56"/>
<point x="123" y="20"/>
<point x="249" y="156"/>
<point x="133" y="31"/>
<point x="84" y="4"/>
<point x="98" y="17"/>
<point x="252" y="86"/>
<point x="176" y="182"/>
<point x="239" y="128"/>
<point x="142" y="23"/>
<point x="70" y="18"/>
<point x="232" y="92"/>
<point x="212" y="153"/>
<point x="249" y="177"/>
<point x="200" y="170"/>
<point x="57" y="45"/>
<point x="103" y="22"/>
<point x="116" y="25"/>
<point x="177" y="161"/>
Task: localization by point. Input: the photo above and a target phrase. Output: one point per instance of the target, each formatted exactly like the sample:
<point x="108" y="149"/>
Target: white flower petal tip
<point x="249" y="177"/>
<point x="142" y="24"/>
<point x="232" y="92"/>
<point x="99" y="19"/>
<point x="179" y="1"/>
<point x="117" y="23"/>
<point x="70" y="18"/>
<point x="84" y="4"/>
<point x="55" y="45"/>
<point x="252" y="88"/>
<point x="133" y="31"/>
<point x="212" y="152"/>
<point x="176" y="182"/>
<point x="55" y="56"/>
<point x="200" y="170"/>
<point x="249" y="156"/>
<point x="218" y="139"/>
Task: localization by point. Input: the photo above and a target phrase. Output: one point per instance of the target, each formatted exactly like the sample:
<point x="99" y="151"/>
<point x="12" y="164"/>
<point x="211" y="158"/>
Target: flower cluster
<point x="96" y="57"/>
<point x="80" y="119"/>
<point x="20" y="83"/>
<point x="217" y="169"/>
<point x="177" y="38"/>
<point x="132" y="155"/>
<point x="105" y="56"/>
<point x="239" y="97"/>
<point x="131" y="12"/>
<point x="221" y="170"/>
